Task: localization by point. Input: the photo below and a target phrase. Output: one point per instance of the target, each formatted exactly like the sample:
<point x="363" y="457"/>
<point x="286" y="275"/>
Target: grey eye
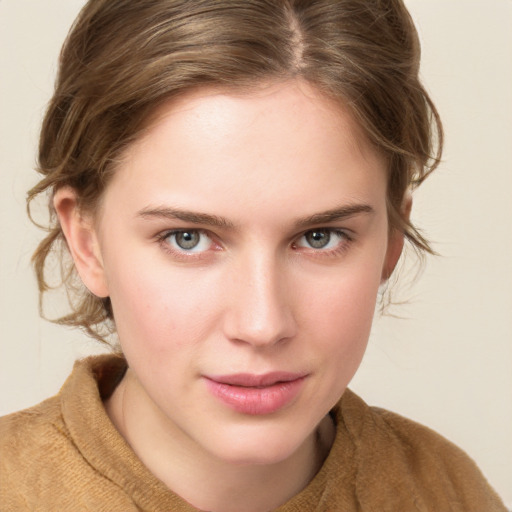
<point x="318" y="238"/>
<point x="187" y="240"/>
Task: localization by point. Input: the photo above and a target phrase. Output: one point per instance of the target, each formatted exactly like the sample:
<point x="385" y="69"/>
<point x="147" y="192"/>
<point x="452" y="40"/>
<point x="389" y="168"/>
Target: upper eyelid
<point x="337" y="231"/>
<point x="349" y="233"/>
<point x="174" y="231"/>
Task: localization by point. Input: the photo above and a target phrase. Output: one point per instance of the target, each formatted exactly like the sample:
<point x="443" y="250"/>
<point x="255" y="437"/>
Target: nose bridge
<point x="261" y="312"/>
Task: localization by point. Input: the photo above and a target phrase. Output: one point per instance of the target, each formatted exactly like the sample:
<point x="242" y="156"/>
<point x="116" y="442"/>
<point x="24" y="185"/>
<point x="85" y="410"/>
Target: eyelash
<point x="345" y="239"/>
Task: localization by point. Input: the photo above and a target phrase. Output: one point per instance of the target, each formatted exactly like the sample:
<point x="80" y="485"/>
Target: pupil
<point x="318" y="238"/>
<point x="187" y="239"/>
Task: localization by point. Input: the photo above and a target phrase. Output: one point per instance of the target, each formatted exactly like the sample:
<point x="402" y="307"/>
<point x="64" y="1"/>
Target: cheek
<point x="340" y="318"/>
<point x="159" y="307"/>
<point x="346" y="300"/>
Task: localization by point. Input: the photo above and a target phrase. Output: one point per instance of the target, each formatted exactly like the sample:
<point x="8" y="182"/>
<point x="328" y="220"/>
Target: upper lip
<point x="254" y="380"/>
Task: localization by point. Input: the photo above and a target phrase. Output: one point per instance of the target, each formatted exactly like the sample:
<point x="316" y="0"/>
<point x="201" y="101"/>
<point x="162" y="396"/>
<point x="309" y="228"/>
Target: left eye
<point x="191" y="240"/>
<point x="321" y="239"/>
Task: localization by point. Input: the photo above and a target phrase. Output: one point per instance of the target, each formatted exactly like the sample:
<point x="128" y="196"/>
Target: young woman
<point x="232" y="181"/>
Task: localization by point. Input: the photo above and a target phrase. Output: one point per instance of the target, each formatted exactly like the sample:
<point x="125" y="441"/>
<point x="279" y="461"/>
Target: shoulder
<point x="398" y="437"/>
<point x="42" y="464"/>
<point x="32" y="442"/>
<point x="25" y="434"/>
<point x="399" y="457"/>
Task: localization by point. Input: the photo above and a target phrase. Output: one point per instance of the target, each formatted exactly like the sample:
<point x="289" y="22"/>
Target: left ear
<point x="396" y="241"/>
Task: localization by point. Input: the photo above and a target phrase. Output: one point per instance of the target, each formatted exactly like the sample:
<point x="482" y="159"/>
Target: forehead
<point x="283" y="142"/>
<point x="242" y="108"/>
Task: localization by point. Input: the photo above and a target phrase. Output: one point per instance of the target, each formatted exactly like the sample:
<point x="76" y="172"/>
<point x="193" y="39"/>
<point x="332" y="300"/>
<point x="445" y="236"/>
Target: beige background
<point x="448" y="362"/>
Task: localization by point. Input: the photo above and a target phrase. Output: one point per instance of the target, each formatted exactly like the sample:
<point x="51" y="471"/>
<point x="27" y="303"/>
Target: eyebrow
<point x="334" y="215"/>
<point x="327" y="217"/>
<point x="185" y="216"/>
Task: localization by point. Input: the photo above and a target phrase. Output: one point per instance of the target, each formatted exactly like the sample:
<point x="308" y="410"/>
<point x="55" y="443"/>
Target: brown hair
<point x="124" y="58"/>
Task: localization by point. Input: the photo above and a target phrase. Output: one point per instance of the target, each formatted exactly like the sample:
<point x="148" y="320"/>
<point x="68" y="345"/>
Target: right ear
<point x="82" y="240"/>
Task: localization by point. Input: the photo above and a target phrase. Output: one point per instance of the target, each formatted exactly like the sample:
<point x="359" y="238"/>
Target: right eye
<point x="187" y="241"/>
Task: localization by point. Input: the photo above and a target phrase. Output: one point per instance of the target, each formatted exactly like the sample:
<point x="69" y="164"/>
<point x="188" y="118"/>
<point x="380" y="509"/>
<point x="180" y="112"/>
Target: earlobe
<point x="396" y="240"/>
<point x="394" y="251"/>
<point x="82" y="241"/>
<point x="407" y="205"/>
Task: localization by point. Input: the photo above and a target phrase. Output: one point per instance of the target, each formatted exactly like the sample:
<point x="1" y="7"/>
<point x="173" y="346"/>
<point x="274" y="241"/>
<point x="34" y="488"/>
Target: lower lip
<point x="256" y="400"/>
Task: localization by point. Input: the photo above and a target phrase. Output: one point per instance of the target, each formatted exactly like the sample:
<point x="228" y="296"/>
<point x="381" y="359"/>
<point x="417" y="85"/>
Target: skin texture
<point x="253" y="296"/>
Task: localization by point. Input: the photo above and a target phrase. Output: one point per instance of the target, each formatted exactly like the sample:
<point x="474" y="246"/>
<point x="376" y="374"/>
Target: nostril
<point x="260" y="311"/>
<point x="260" y="327"/>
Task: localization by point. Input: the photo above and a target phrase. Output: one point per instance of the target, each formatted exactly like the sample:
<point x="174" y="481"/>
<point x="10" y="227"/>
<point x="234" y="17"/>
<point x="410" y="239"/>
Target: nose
<point x="260" y="311"/>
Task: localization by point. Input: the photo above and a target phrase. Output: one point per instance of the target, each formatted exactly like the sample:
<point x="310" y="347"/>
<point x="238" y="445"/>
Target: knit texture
<point x="65" y="455"/>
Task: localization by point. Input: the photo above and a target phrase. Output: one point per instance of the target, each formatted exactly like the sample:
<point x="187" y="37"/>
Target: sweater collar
<point x="94" y="379"/>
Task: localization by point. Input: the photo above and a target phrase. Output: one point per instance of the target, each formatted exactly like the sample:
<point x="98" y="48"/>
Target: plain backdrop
<point x="447" y="361"/>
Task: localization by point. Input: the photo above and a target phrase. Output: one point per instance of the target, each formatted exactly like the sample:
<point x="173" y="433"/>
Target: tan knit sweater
<point x="65" y="455"/>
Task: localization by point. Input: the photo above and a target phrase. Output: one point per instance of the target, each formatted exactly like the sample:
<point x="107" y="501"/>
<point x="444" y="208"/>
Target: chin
<point x="259" y="446"/>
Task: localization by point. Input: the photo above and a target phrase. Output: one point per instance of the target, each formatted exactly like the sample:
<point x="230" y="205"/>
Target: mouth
<point x="256" y="394"/>
<point x="248" y="380"/>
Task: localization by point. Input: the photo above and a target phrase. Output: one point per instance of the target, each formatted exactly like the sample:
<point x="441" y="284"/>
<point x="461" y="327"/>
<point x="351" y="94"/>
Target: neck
<point x="181" y="464"/>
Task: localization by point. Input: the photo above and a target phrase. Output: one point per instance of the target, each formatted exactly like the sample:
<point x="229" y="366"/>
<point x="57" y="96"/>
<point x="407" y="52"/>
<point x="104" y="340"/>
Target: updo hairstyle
<point x="123" y="59"/>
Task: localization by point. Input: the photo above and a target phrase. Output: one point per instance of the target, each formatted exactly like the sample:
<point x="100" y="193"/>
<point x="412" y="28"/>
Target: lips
<point x="249" y="380"/>
<point x="256" y="394"/>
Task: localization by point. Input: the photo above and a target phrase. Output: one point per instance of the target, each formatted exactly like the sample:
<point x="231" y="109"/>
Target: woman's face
<point x="242" y="242"/>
